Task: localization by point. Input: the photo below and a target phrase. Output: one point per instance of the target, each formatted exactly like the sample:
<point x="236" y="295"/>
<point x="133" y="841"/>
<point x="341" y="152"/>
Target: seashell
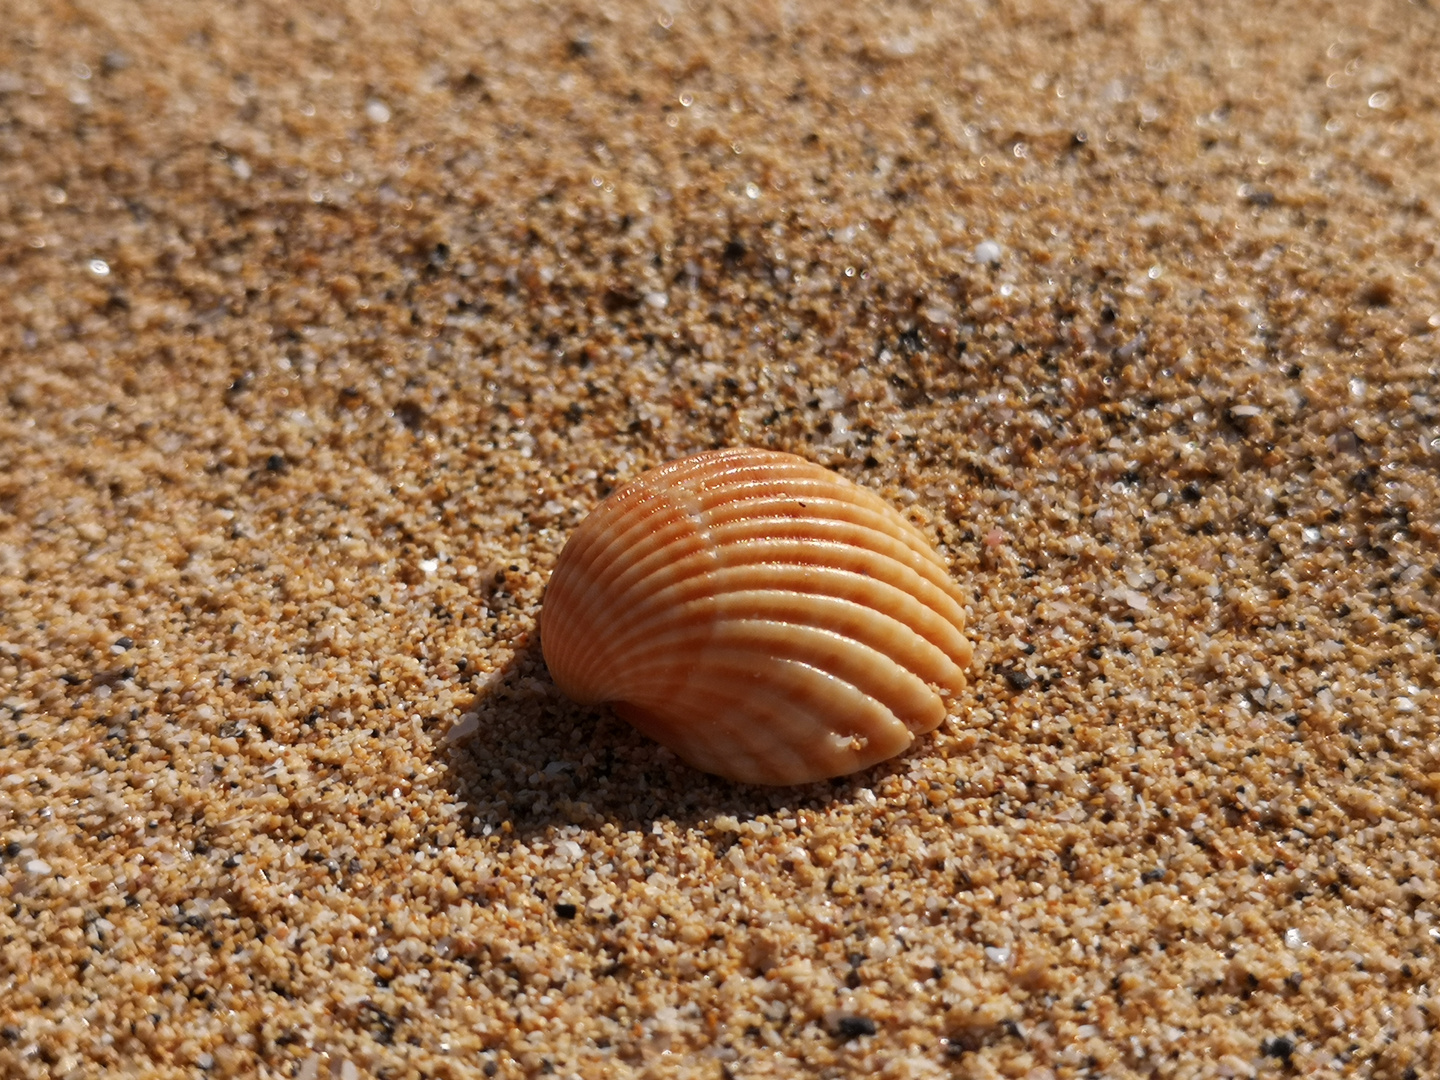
<point x="763" y="617"/>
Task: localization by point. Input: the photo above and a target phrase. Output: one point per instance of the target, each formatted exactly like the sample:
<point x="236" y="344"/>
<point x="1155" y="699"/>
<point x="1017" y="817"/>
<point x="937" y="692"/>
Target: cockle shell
<point x="763" y="617"/>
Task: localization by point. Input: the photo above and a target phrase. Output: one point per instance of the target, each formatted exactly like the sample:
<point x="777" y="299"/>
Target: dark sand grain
<point x="321" y="327"/>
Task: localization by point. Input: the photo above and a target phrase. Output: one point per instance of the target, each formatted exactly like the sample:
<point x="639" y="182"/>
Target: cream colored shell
<point x="763" y="617"/>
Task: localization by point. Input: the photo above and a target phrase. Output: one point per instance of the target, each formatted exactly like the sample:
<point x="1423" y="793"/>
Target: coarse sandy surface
<point x="321" y="326"/>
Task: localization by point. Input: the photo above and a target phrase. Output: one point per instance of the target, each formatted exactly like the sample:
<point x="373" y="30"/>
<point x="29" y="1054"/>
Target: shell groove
<point x="761" y="616"/>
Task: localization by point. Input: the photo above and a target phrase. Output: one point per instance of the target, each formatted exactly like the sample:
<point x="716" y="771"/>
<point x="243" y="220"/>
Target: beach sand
<point x="321" y="327"/>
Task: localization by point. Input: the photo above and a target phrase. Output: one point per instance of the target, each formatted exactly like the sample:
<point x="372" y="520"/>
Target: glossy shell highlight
<point x="764" y="618"/>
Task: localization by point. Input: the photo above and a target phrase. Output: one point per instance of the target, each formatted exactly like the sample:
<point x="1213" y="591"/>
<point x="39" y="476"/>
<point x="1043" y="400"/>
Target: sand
<point x="322" y="326"/>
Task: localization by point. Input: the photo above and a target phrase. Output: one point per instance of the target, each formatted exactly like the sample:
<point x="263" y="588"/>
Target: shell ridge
<point x="626" y="503"/>
<point x="862" y="623"/>
<point x="939" y="599"/>
<point x="816" y="697"/>
<point x="809" y="486"/>
<point x="632" y="506"/>
<point x="870" y="671"/>
<point x="794" y="550"/>
<point x="606" y="653"/>
<point x="650" y="558"/>
<point x="645" y="612"/>
<point x="798" y="696"/>
<point x="867" y="624"/>
<point x="640" y="503"/>
<point x="802" y="579"/>
<point x="766" y="618"/>
<point x="926" y="563"/>
<point x="637" y="515"/>
<point x="743" y="500"/>
<point x="627" y="605"/>
<point x="801" y="553"/>
<point x="732" y="721"/>
<point x="785" y="716"/>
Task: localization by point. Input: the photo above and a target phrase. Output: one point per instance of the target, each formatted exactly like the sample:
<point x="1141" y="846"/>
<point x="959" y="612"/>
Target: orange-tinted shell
<point x="763" y="617"/>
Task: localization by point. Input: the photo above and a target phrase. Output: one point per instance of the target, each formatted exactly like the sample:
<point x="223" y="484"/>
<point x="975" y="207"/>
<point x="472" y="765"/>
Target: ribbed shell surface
<point x="763" y="617"/>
